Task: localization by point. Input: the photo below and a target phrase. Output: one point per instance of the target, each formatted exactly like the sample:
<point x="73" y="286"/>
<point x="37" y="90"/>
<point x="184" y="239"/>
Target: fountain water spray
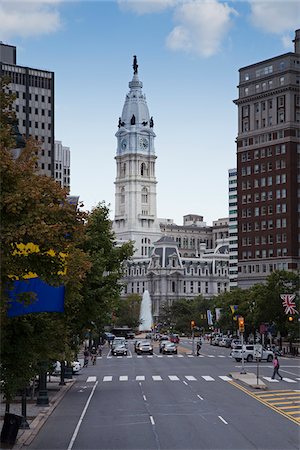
<point x="146" y="320"/>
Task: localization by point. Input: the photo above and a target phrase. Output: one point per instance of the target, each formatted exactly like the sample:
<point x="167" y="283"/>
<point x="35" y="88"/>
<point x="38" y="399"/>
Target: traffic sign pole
<point x="243" y="371"/>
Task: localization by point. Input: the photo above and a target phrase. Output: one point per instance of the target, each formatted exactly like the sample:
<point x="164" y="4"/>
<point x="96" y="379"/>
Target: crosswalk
<point x="157" y="378"/>
<point x="155" y="355"/>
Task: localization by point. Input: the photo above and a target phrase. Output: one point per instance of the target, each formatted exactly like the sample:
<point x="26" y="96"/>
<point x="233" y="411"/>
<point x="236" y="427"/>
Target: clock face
<point x="144" y="143"/>
<point x="123" y="144"/>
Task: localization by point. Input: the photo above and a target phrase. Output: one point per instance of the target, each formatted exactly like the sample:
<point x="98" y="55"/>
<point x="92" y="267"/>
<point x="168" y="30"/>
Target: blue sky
<point x="189" y="53"/>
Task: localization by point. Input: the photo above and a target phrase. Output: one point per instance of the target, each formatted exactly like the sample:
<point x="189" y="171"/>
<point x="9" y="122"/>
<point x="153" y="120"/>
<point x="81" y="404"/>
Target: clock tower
<point x="135" y="184"/>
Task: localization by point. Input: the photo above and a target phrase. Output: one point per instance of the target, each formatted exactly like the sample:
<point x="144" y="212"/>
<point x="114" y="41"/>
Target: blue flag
<point x="46" y="298"/>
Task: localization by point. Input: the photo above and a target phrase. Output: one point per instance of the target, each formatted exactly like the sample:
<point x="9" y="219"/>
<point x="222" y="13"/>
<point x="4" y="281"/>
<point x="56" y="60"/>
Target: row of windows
<point x="264" y="152"/>
<point x="263" y="196"/>
<point x="270" y="253"/>
<point x="264" y="225"/>
<point x="35" y="81"/>
<point x="265" y="85"/>
<point x="264" y="239"/>
<point x="35" y="97"/>
<point x="264" y="210"/>
<point x="40" y="125"/>
<point x="257" y="268"/>
<point x="266" y="137"/>
<point x="36" y="110"/>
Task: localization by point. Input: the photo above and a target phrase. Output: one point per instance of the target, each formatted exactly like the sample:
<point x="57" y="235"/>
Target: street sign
<point x="257" y="351"/>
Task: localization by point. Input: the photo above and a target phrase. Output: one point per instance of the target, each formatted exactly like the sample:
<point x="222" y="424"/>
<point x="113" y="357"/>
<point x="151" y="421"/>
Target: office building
<point x="233" y="228"/>
<point x="62" y="165"/>
<point x="34" y="104"/>
<point x="268" y="177"/>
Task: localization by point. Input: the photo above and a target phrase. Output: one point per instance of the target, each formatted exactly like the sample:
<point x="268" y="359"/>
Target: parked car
<point x="76" y="366"/>
<point x="235" y="343"/>
<point x="248" y="350"/>
<point x="169" y="347"/>
<point x="130" y="335"/>
<point x="225" y="342"/>
<point x="119" y="349"/>
<point x="144" y="347"/>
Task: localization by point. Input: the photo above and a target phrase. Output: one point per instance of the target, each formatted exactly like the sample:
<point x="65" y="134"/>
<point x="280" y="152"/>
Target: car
<point x="137" y="343"/>
<point x="163" y="337"/>
<point x="118" y="341"/>
<point x="109" y="336"/>
<point x="162" y="344"/>
<point x="225" y="342"/>
<point x="248" y="351"/>
<point x="169" y="347"/>
<point x="119" y="349"/>
<point x="174" y="338"/>
<point x="130" y="335"/>
<point x="144" y="347"/>
<point x="76" y="366"/>
<point x="235" y="343"/>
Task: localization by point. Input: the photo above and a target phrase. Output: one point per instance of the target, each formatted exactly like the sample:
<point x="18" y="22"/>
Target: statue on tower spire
<point x="135" y="65"/>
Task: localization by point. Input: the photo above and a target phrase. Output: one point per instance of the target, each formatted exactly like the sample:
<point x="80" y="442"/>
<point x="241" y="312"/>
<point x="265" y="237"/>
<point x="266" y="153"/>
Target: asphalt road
<point x="178" y="402"/>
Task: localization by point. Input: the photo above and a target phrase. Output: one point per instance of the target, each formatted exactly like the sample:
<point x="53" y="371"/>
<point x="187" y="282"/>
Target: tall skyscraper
<point x="135" y="191"/>
<point x="268" y="167"/>
<point x="34" y="105"/>
<point x="233" y="228"/>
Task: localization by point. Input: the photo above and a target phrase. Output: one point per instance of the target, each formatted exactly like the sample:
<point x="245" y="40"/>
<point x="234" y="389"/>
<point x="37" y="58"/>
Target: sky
<point x="189" y="53"/>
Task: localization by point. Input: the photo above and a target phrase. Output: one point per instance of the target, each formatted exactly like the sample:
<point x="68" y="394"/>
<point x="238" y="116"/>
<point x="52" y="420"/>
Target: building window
<point x="144" y="195"/>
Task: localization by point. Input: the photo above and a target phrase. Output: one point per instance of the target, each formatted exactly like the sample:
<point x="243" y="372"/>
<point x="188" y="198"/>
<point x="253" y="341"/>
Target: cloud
<point x="202" y="26"/>
<point x="28" y="18"/>
<point x="275" y="16"/>
<point x="141" y="7"/>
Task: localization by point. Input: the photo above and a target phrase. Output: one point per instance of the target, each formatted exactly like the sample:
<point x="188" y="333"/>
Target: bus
<point x="125" y="332"/>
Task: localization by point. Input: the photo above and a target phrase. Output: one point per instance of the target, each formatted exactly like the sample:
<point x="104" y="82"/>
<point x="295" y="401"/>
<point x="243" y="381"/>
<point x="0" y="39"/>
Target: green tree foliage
<point x="128" y="311"/>
<point x="102" y="286"/>
<point x="33" y="209"/>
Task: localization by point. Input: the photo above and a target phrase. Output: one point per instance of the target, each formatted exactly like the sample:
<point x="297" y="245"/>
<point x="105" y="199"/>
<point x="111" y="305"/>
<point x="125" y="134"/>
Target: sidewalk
<point x="250" y="379"/>
<point x="36" y="414"/>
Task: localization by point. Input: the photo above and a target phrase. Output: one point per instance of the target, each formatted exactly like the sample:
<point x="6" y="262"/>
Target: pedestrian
<point x="86" y="355"/>
<point x="100" y="350"/>
<point x="93" y="355"/>
<point x="198" y="347"/>
<point x="276" y="368"/>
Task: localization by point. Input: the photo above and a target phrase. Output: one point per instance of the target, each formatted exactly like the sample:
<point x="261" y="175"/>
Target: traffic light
<point x="291" y="318"/>
<point x="192" y="323"/>
<point x="241" y="324"/>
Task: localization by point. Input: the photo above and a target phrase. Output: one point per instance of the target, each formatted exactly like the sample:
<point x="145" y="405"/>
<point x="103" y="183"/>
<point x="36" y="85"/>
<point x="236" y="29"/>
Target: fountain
<point x="146" y="320"/>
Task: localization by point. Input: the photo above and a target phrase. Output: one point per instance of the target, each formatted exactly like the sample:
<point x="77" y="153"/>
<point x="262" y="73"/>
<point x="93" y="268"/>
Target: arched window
<point x="144" y="195"/>
<point x="143" y="169"/>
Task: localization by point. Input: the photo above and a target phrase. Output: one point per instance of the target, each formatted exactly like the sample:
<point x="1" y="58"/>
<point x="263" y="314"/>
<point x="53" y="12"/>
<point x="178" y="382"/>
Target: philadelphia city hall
<point x="170" y="261"/>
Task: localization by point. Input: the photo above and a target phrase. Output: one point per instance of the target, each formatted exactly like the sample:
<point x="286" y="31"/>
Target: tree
<point x="33" y="209"/>
<point x="102" y="286"/>
<point x="128" y="311"/>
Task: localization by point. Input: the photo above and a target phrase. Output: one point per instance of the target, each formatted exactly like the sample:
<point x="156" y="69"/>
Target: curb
<point x="28" y="435"/>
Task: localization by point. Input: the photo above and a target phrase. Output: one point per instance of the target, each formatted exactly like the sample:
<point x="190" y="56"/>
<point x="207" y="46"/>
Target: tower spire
<point x="135" y="65"/>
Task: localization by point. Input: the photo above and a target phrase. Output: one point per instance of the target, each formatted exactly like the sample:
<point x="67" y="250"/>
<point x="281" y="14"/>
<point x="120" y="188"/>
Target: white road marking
<point x="152" y="420"/>
<point x="149" y="356"/>
<point x="201" y="356"/>
<point x="211" y="356"/>
<point x="270" y="380"/>
<point x="179" y="356"/>
<point x="190" y="378"/>
<point x="139" y="356"/>
<point x="207" y="378"/>
<point x="118" y="357"/>
<point x="156" y="378"/>
<point x="199" y="396"/>
<point x="173" y="378"/>
<point x="225" y="378"/>
<point x="107" y="378"/>
<point x="123" y="378"/>
<point x="91" y="379"/>
<point x="184" y="382"/>
<point x="81" y="418"/>
<point x="223" y="420"/>
<point x="190" y="356"/>
<point x="170" y="356"/>
<point x="289" y="380"/>
<point x="159" y="356"/>
<point x="221" y="356"/>
<point x="129" y="356"/>
<point x="140" y="378"/>
<point x="144" y="397"/>
<point x="298" y="379"/>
